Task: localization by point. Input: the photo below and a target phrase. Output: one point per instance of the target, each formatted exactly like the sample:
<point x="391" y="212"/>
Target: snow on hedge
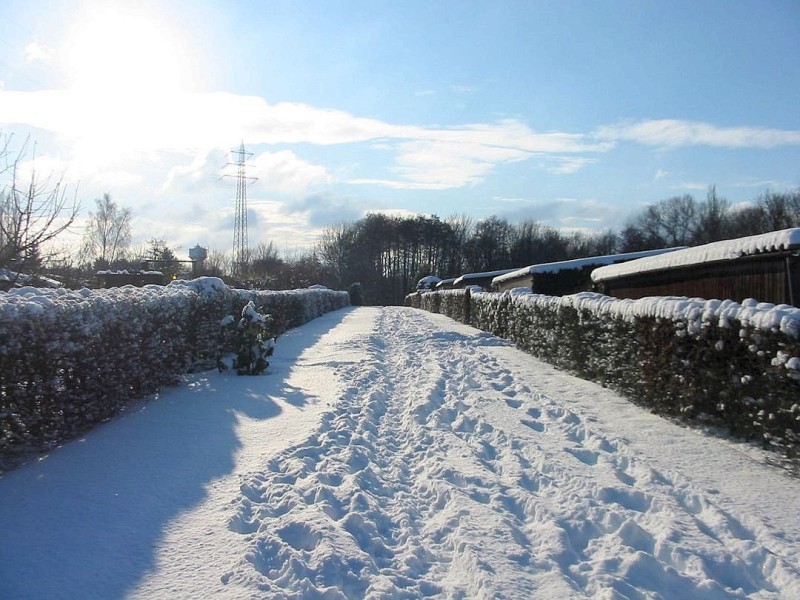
<point x="580" y="263"/>
<point x="695" y="311"/>
<point x="73" y="358"/>
<point x="761" y="316"/>
<point x="775" y="241"/>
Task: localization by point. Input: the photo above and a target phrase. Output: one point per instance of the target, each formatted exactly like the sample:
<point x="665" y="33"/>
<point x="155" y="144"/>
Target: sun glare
<point x="125" y="73"/>
<point x="118" y="50"/>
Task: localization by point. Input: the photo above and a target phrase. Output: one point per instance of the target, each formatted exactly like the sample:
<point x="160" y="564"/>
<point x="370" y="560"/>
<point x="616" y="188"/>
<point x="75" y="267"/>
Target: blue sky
<point x="577" y="114"/>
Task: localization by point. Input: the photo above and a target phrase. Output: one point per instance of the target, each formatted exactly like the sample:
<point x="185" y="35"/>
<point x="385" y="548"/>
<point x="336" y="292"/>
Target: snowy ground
<point x="391" y="453"/>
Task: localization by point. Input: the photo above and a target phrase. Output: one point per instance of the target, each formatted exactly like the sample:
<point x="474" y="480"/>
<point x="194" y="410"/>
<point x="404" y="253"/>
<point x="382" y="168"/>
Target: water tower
<point x="198" y="255"/>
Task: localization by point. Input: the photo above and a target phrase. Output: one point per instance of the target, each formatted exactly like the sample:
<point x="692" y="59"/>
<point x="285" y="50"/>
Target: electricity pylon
<point x="240" y="245"/>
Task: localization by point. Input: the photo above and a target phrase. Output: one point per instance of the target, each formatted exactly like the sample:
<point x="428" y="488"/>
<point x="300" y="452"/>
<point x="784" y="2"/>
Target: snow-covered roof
<point x="580" y="263"/>
<point x="428" y="282"/>
<point x="127" y="272"/>
<point x="25" y="279"/>
<point x="201" y="285"/>
<point x="785" y="239"/>
<point x="487" y="274"/>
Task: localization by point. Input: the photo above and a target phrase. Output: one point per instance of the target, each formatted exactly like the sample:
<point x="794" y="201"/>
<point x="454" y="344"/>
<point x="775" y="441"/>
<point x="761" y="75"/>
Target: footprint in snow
<point x="587" y="457"/>
<point x="537" y="426"/>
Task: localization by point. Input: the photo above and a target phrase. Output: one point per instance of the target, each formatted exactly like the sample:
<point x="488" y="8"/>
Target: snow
<point x="785" y="239"/>
<point x="127" y="272"/>
<point x="445" y="282"/>
<point x="251" y="315"/>
<point x="428" y="282"/>
<point x="486" y="274"/>
<point x="696" y="311"/>
<point x="394" y="453"/>
<point x="21" y="278"/>
<point x="580" y="263"/>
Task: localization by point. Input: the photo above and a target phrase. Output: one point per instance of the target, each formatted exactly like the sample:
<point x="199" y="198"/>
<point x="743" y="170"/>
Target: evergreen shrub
<point x="252" y="339"/>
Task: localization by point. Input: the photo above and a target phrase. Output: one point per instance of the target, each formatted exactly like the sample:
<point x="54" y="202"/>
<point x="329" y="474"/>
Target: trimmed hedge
<point x="717" y="362"/>
<point x="72" y="359"/>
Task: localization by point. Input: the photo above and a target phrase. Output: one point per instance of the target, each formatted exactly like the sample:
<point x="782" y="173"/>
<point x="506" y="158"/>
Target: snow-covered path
<point x="393" y="453"/>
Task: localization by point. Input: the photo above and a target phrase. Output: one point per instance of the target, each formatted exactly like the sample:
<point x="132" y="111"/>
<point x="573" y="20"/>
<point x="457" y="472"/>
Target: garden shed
<point x="445" y="284"/>
<point x="483" y="280"/>
<point x="111" y="279"/>
<point x="566" y="276"/>
<point x="765" y="267"/>
<point x="428" y="283"/>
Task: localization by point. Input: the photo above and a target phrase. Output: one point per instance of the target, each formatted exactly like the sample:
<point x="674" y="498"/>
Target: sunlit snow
<point x="393" y="453"/>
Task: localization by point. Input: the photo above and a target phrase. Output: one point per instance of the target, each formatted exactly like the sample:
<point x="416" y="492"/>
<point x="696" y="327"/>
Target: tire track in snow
<point x="439" y="472"/>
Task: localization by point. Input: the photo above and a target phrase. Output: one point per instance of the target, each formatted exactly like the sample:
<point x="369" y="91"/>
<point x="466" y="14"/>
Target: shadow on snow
<point x="87" y="519"/>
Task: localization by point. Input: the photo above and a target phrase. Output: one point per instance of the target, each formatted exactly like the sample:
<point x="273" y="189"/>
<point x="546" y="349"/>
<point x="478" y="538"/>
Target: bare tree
<point x="217" y="264"/>
<point x="108" y="233"/>
<point x="603" y="243"/>
<point x="460" y="228"/>
<point x="489" y="247"/>
<point x="671" y="222"/>
<point x="265" y="264"/>
<point x="781" y="210"/>
<point x="33" y="211"/>
<point x="713" y="222"/>
<point x="333" y="250"/>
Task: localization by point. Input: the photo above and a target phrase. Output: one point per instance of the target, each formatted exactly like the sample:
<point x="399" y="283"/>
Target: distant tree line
<point x="684" y="221"/>
<point x="387" y="255"/>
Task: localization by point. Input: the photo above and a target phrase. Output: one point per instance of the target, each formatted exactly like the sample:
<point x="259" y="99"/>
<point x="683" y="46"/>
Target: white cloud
<point x="509" y="200"/>
<point x="206" y="167"/>
<point x="36" y="52"/>
<point x="671" y="133"/>
<point x="567" y="165"/>
<point x="766" y="184"/>
<point x="323" y="209"/>
<point x="104" y="127"/>
<point x="691" y="185"/>
<point x="434" y="164"/>
<point x="272" y="216"/>
<point x="285" y="172"/>
<point x="113" y="179"/>
<point x="566" y="213"/>
<point x="462" y="156"/>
